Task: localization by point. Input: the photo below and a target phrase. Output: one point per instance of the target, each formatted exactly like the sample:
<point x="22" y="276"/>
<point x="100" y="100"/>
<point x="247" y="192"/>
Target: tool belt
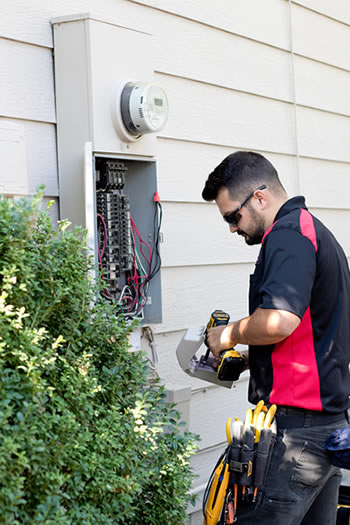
<point x="240" y="471"/>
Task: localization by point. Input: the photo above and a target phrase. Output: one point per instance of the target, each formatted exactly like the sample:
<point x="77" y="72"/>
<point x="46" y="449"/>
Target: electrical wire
<point x="157" y="222"/>
<point x="146" y="263"/>
<point x="101" y="252"/>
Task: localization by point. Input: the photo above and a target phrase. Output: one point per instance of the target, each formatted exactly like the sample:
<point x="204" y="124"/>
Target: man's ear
<point x="261" y="198"/>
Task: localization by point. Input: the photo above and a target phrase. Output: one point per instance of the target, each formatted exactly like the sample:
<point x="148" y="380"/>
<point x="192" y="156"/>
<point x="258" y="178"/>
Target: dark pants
<point x="301" y="485"/>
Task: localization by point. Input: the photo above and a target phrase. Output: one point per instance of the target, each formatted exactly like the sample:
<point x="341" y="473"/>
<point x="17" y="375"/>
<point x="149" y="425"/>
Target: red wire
<point x="99" y="216"/>
<point x="134" y="227"/>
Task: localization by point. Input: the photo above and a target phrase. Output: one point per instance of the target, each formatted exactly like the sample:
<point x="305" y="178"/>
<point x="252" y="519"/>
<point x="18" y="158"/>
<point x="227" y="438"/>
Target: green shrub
<point x="82" y="426"/>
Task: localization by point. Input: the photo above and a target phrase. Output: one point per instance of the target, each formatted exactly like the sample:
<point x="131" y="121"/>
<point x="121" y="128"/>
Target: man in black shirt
<point x="298" y="332"/>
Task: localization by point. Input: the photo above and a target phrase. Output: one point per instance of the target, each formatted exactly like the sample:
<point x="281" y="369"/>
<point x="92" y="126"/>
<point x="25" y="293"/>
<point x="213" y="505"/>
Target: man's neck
<point x="276" y="205"/>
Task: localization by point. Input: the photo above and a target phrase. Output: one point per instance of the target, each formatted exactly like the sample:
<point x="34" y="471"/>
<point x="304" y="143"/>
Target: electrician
<point x="298" y="332"/>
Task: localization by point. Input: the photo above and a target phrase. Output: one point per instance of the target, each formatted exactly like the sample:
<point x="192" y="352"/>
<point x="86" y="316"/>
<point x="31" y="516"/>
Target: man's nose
<point x="233" y="228"/>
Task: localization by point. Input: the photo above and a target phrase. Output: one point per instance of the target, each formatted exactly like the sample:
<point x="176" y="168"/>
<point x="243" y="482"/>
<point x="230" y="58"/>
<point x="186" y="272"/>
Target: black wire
<point x="157" y="238"/>
<point x="155" y="254"/>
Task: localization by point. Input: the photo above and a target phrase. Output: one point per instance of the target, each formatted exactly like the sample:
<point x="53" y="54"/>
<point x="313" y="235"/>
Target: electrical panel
<point x="128" y="221"/>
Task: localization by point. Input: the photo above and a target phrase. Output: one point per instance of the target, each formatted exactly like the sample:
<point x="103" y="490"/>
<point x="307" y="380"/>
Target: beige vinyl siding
<point x="27" y="80"/>
<point x="323" y="135"/>
<point x="252" y="68"/>
<point x="313" y="91"/>
<point x="184" y="165"/>
<point x="321" y="38"/>
<point x="225" y="117"/>
<point x="339" y="10"/>
<point x="325" y="182"/>
<point x="191" y="293"/>
<point x="200" y="246"/>
<point x="27" y="99"/>
<point x="244" y="18"/>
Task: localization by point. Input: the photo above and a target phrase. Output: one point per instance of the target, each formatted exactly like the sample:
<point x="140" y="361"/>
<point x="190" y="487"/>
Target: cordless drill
<point x="232" y="363"/>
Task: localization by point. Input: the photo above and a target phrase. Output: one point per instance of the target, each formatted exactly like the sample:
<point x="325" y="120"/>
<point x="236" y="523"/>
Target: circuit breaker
<point x="109" y="109"/>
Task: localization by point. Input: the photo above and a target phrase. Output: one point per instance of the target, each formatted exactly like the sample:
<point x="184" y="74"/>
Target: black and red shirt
<point x="302" y="269"/>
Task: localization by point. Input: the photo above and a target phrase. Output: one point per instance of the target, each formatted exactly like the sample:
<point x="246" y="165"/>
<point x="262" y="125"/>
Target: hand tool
<point x="269" y="416"/>
<point x="234" y="456"/>
<point x="215" y="493"/>
<point x="259" y="407"/>
<point x="248" y="417"/>
<point x="247" y="457"/>
<point x="259" y="425"/>
<point x="266" y="437"/>
<point x="229" y="514"/>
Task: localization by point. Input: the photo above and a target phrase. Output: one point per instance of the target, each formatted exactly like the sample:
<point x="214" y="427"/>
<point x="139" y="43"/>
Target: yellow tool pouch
<point x="240" y="471"/>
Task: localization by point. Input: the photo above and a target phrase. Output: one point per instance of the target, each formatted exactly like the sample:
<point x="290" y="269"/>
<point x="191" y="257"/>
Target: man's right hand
<point x="219" y="339"/>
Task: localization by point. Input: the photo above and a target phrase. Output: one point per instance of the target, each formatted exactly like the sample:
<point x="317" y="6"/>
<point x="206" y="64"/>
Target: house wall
<point x="270" y="76"/>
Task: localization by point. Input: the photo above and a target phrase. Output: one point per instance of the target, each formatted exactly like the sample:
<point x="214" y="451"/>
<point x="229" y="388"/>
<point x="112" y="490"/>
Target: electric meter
<point x="139" y="108"/>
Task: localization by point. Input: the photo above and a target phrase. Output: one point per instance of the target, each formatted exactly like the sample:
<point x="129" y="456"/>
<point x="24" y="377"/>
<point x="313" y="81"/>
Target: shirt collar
<point x="292" y="204"/>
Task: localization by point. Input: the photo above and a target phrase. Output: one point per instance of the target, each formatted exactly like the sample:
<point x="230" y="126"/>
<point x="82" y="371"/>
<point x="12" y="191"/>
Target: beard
<point x="255" y="236"/>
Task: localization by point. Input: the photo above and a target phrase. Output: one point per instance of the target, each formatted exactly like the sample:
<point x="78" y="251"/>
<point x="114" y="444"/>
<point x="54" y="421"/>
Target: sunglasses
<point x="234" y="217"/>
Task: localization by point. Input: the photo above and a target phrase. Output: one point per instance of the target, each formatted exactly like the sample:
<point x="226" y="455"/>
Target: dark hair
<point x="240" y="173"/>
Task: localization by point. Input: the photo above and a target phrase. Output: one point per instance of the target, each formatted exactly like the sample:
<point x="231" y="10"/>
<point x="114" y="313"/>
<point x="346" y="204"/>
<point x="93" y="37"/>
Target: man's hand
<point x="219" y="339"/>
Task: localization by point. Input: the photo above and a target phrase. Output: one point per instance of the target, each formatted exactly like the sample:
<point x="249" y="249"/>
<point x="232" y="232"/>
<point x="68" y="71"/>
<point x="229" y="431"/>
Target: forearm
<point x="263" y="327"/>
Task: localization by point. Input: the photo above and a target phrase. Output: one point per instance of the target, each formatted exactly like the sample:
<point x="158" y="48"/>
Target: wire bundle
<point x="146" y="264"/>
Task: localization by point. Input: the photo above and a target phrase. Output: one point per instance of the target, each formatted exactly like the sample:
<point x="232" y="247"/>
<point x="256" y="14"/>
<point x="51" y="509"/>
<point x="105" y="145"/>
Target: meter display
<point x="144" y="108"/>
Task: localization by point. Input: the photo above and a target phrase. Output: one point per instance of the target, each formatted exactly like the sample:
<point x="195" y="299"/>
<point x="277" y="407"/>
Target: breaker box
<point x="126" y="235"/>
<point x="108" y="183"/>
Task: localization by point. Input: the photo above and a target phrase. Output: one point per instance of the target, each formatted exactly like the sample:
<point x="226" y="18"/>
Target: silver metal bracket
<point x="190" y="364"/>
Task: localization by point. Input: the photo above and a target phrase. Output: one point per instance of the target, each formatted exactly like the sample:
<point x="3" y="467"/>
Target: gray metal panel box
<point x="91" y="56"/>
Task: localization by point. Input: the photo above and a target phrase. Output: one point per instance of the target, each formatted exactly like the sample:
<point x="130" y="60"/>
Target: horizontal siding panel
<point x="205" y="113"/>
<point x="326" y="184"/>
<point x="266" y="21"/>
<point x="338" y="222"/>
<point x="220" y="58"/>
<point x="14" y="173"/>
<point x="321" y="86"/>
<point x="207" y="241"/>
<point x="340" y="9"/>
<point x="41" y="155"/>
<point x="30" y="21"/>
<point x="183" y="168"/>
<point x="321" y="38"/>
<point x="210" y="408"/>
<point x="191" y="293"/>
<point x="323" y="135"/>
<point x="26" y="82"/>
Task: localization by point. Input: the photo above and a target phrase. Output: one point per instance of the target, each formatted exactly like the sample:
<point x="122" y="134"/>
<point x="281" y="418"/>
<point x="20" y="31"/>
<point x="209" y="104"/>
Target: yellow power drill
<point x="232" y="363"/>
